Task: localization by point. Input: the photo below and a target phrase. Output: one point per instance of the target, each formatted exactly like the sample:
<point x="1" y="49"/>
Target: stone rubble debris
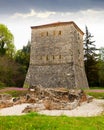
<point x="41" y="98"/>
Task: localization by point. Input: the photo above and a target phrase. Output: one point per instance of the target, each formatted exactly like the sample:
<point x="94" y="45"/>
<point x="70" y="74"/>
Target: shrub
<point x="2" y="85"/>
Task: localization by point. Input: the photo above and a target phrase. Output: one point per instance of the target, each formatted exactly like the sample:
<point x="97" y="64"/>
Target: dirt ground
<point x="93" y="108"/>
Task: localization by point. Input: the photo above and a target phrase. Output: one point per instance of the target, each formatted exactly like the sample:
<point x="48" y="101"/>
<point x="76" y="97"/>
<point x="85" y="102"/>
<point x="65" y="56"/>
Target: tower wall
<point x="56" y="58"/>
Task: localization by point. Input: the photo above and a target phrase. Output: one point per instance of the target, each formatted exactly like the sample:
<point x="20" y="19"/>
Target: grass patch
<point x="96" y="94"/>
<point x="15" y="92"/>
<point x="97" y="88"/>
<point x="42" y="122"/>
<point x="35" y="121"/>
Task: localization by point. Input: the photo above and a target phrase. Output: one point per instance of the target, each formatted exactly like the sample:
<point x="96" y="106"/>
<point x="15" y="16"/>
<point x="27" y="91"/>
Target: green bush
<point x="11" y="73"/>
<point x="2" y="85"/>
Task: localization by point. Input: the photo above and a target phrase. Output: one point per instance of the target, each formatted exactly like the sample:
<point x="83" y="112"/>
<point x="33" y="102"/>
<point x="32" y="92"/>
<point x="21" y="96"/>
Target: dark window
<point x="47" y="58"/>
<point x="59" y="32"/>
<point x="60" y="57"/>
<point x="47" y="33"/>
<point x="53" y="57"/>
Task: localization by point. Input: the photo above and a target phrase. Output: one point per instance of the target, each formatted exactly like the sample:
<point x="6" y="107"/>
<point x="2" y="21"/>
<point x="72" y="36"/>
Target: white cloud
<point x="93" y="19"/>
<point x="45" y="15"/>
<point x="33" y="13"/>
<point x="86" y="16"/>
<point x="20" y="23"/>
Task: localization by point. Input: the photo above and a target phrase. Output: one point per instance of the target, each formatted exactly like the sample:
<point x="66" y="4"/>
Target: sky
<point x="20" y="15"/>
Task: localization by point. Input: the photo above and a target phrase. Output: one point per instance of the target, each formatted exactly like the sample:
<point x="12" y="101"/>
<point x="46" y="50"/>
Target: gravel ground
<point x="94" y="108"/>
<point x="14" y="110"/>
<point x="86" y="109"/>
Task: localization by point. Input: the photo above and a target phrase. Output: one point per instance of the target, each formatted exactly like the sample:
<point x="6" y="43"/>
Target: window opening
<point x="47" y="33"/>
<point x="47" y="58"/>
<point x="60" y="57"/>
<point x="59" y="32"/>
<point x="53" y="57"/>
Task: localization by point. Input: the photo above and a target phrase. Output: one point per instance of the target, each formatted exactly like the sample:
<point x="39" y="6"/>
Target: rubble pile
<point x="54" y="99"/>
<point x="5" y="100"/>
<point x="41" y="98"/>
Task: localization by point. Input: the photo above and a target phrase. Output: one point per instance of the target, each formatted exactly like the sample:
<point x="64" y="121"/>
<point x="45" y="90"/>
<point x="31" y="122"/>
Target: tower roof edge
<point x="58" y="24"/>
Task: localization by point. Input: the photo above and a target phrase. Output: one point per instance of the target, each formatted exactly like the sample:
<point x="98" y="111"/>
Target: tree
<point x="101" y="67"/>
<point x="23" y="56"/>
<point x="90" y="59"/>
<point x="10" y="51"/>
<point x="6" y="41"/>
<point x="11" y="73"/>
<point x="101" y="51"/>
<point x="89" y="46"/>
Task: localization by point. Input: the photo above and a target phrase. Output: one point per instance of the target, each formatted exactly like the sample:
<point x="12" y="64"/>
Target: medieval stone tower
<point x="56" y="58"/>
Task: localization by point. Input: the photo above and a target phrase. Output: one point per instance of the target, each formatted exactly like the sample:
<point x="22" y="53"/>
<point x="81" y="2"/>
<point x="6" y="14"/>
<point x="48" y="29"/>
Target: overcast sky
<point x="20" y="15"/>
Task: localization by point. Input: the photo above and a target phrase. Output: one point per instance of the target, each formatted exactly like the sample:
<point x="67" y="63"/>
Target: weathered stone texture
<point x="52" y="75"/>
<point x="57" y="56"/>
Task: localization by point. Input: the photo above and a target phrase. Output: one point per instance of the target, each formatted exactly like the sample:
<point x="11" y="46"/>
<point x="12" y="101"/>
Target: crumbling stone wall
<point x="56" y="58"/>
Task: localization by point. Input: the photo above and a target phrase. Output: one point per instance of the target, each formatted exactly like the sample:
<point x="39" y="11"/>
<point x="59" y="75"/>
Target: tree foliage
<point x="23" y="56"/>
<point x="101" y="67"/>
<point x="6" y="41"/>
<point x="90" y="59"/>
<point x="11" y="73"/>
<point x="13" y="65"/>
<point x="13" y="70"/>
<point x="89" y="46"/>
<point x="101" y="53"/>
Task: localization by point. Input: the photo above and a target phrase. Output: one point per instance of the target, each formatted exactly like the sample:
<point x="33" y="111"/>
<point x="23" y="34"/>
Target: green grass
<point x="98" y="95"/>
<point x="97" y="88"/>
<point x="41" y="122"/>
<point x="16" y="93"/>
<point x="34" y="121"/>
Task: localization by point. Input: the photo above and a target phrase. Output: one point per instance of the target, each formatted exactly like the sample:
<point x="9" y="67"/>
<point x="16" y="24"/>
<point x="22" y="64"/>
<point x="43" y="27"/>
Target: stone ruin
<point x="41" y="98"/>
<point x="55" y="99"/>
<point x="56" y="63"/>
<point x="56" y="56"/>
<point x="5" y="100"/>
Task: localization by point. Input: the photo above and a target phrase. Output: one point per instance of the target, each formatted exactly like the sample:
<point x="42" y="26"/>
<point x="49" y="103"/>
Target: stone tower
<point x="56" y="58"/>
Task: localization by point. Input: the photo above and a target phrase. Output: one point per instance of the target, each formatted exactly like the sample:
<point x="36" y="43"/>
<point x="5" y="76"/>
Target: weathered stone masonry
<point x="56" y="58"/>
